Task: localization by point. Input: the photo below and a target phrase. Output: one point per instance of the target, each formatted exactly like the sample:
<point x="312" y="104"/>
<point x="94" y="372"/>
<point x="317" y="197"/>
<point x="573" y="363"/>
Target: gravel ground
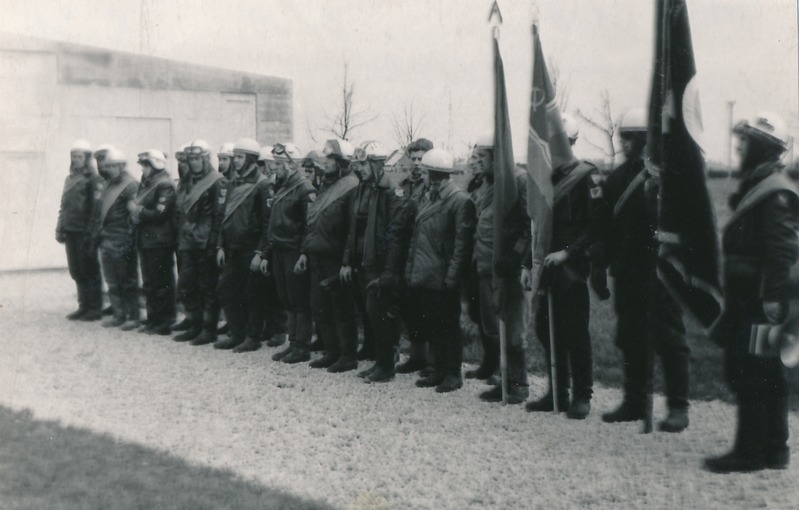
<point x="354" y="445"/>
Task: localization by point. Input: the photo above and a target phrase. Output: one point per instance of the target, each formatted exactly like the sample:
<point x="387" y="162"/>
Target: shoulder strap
<point x="637" y="181"/>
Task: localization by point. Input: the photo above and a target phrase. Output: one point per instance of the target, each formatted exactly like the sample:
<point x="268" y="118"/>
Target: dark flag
<point x="688" y="258"/>
<point x="548" y="148"/>
<point x="505" y="191"/>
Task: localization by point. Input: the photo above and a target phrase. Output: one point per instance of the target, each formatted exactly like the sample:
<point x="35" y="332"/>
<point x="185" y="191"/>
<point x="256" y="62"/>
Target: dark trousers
<point x="383" y="317"/>
<point x="333" y="307"/>
<point x="761" y="390"/>
<point x="438" y="313"/>
<point x="649" y="321"/>
<point x="84" y="268"/>
<point x="198" y="276"/>
<point x="120" y="267"/>
<point x="275" y="318"/>
<point x="361" y="279"/>
<point x="242" y="293"/>
<point x="294" y="291"/>
<point x="570" y="307"/>
<point x="158" y="282"/>
<point x="503" y="299"/>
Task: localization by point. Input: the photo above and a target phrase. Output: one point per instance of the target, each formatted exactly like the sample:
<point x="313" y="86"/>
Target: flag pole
<point x="553" y="365"/>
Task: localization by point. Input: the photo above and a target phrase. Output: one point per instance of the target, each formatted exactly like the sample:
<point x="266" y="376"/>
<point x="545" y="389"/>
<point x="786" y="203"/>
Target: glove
<point x="60" y="237"/>
<point x="599" y="283"/>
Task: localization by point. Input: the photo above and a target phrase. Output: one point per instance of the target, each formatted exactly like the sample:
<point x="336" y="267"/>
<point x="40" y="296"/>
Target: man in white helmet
<point x="112" y="232"/>
<point x="79" y="203"/>
<point x="501" y="292"/>
<point x="288" y="223"/>
<point x="438" y="260"/>
<point x="373" y="258"/>
<point x="647" y="316"/>
<point x="333" y="305"/>
<point x="198" y="217"/>
<point x="577" y="198"/>
<point x="153" y="215"/>
<point x="225" y="157"/>
<point x="760" y="247"/>
<point x="241" y="241"/>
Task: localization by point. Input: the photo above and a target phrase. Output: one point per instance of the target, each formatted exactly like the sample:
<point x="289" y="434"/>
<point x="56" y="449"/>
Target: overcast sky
<point x="438" y="53"/>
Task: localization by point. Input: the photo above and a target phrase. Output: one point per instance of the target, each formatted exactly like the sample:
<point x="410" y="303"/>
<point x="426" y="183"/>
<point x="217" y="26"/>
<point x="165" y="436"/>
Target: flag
<point x="548" y="147"/>
<point x="688" y="255"/>
<point x="506" y="192"/>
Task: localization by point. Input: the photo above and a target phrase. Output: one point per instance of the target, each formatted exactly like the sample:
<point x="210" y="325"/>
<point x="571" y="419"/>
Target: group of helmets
<point x="110" y="154"/>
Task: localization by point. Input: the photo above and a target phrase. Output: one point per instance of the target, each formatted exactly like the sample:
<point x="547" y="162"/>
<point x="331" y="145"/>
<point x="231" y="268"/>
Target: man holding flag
<point x="501" y="242"/>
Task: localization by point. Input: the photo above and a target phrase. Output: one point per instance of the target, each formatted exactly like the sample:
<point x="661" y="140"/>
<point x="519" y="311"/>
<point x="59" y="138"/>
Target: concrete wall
<point x="53" y="93"/>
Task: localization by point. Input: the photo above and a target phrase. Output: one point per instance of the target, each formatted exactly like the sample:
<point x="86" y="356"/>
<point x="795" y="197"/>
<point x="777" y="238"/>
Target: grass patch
<point x="46" y="465"/>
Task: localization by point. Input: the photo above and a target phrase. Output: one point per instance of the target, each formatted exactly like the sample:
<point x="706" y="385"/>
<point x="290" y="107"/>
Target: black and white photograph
<point x="374" y="255"/>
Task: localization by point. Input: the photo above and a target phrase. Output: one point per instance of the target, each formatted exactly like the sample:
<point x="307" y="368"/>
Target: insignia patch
<point x="221" y="200"/>
<point x="161" y="207"/>
<point x="596" y="178"/>
<point x="312" y="197"/>
<point x="596" y="192"/>
<point x="161" y="200"/>
<point x="223" y="192"/>
<point x="97" y="194"/>
<point x="99" y="186"/>
<point x="399" y="192"/>
<point x="269" y="202"/>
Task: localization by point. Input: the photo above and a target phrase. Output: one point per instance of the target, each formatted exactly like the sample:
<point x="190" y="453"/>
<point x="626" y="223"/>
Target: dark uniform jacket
<point x="156" y="196"/>
<point x="516" y="231"/>
<point x="760" y="243"/>
<point x="289" y="210"/>
<point x="112" y="228"/>
<point x="199" y="211"/>
<point x="441" y="243"/>
<point x="247" y="208"/>
<point x="574" y="218"/>
<point x="628" y="230"/>
<point x="373" y="211"/>
<point x="328" y="219"/>
<point x="82" y="189"/>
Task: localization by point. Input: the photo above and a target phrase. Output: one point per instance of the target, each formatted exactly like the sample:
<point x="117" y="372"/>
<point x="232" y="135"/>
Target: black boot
<point x="482" y="372"/>
<point x="276" y="340"/>
<point x="516" y="394"/>
<point x="282" y="354"/>
<point x="325" y="361"/>
<point x="204" y="338"/>
<point x="676" y="421"/>
<point x="631" y="409"/>
<point x="450" y="383"/>
<point x="297" y="355"/>
<point x="183" y="325"/>
<point x="227" y="343"/>
<point x="546" y="405"/>
<point x="380" y="375"/>
<point x="748" y="454"/>
<point x="190" y="333"/>
<point x="77" y="314"/>
<point x="250" y="344"/>
<point x="363" y="374"/>
<point x="432" y="380"/>
<point x="317" y="345"/>
<point x="343" y="364"/>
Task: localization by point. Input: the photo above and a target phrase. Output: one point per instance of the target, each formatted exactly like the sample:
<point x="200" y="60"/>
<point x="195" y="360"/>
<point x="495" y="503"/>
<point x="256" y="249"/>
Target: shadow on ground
<point x="46" y="465"/>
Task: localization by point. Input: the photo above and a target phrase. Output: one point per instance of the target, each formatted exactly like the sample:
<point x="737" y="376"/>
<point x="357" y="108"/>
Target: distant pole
<point x="730" y="107"/>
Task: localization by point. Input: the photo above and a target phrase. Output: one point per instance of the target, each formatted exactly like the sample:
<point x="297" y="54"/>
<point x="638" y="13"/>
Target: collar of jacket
<point x="250" y="177"/>
<point x="155" y="177"/>
<point x="567" y="168"/>
<point x="197" y="178"/>
<point x="446" y="189"/>
<point x="384" y="182"/>
<point x="293" y="177"/>
<point x="750" y="179"/>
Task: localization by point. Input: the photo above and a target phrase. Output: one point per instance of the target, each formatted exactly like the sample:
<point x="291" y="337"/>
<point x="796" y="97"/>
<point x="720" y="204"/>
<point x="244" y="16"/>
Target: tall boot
<point x="300" y="348"/>
<point x="208" y="334"/>
<point x="777" y="454"/>
<point x="417" y="360"/>
<point x="490" y="362"/>
<point x="193" y="331"/>
<point x="633" y="407"/>
<point x="748" y="454"/>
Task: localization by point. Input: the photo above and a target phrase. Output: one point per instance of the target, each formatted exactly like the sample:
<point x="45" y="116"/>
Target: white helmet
<point x="485" y="141"/>
<point x="371" y="149"/>
<point x="634" y="121"/>
<point x="114" y="156"/>
<point x="570" y="126"/>
<point x="226" y="149"/>
<point x="200" y="147"/>
<point x="337" y="148"/>
<point x="286" y="151"/>
<point x="767" y="126"/>
<point x="102" y="150"/>
<point x="81" y="146"/>
<point x="155" y="157"/>
<point x="247" y="146"/>
<point x="266" y="154"/>
<point x="438" y="160"/>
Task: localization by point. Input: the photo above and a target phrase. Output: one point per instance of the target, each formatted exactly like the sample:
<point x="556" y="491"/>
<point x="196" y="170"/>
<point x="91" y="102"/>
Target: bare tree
<point x="348" y="119"/>
<point x="560" y="85"/>
<point x="604" y="121"/>
<point x="407" y="124"/>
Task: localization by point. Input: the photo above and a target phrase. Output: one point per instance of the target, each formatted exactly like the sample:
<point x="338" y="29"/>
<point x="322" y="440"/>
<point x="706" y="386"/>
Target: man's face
<point x="196" y="163"/>
<point x="742" y="147"/>
<point x="483" y="160"/>
<point x="78" y="159"/>
<point x="112" y="170"/>
<point x="239" y="159"/>
<point x="224" y="163"/>
<point x="146" y="169"/>
<point x="631" y="146"/>
<point x="331" y="166"/>
<point x="416" y="159"/>
<point x="282" y="171"/>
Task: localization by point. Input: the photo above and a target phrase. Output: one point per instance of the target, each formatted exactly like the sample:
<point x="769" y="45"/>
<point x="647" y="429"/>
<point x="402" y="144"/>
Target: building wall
<point x="54" y="93"/>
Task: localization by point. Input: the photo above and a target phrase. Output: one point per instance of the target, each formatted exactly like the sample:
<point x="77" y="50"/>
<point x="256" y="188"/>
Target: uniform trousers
<point x="120" y="268"/>
<point x="84" y="268"/>
<point x="294" y="291"/>
<point x="242" y="293"/>
<point x="198" y="276"/>
<point x="503" y="299"/>
<point x="333" y="307"/>
<point x="158" y="282"/>
<point x="438" y="315"/>
<point x="649" y="321"/>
